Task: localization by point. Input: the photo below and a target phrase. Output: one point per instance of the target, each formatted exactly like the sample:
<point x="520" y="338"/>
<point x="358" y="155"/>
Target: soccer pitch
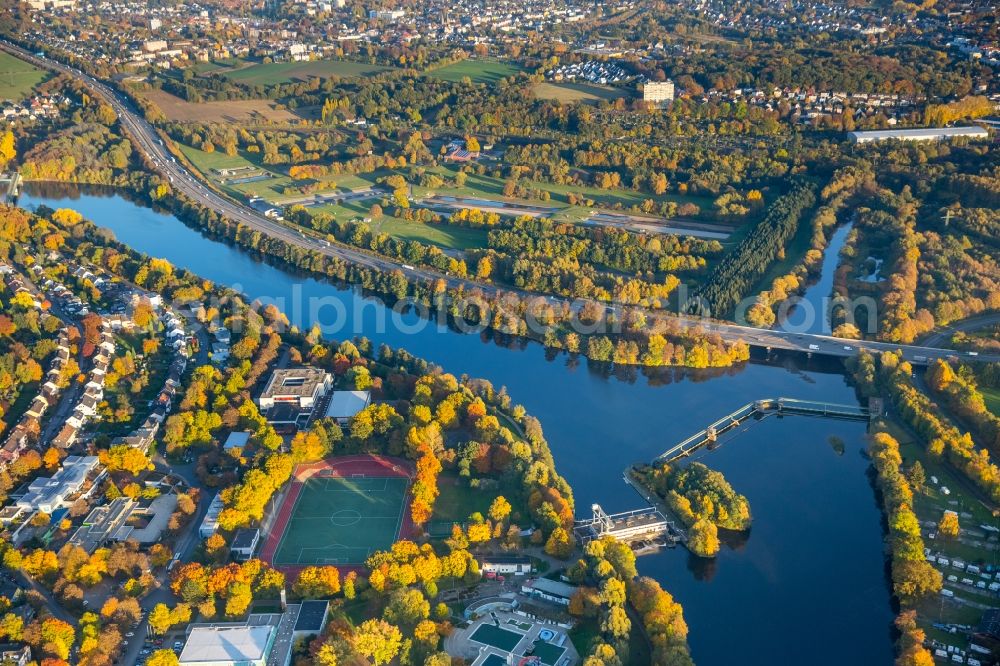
<point x="342" y="520"/>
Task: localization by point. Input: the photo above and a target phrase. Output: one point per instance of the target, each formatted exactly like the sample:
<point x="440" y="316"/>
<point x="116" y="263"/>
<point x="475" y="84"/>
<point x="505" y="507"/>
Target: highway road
<point x="147" y="141"/>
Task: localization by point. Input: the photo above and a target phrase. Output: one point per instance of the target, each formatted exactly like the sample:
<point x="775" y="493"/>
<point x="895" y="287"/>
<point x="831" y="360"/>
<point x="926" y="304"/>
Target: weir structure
<point x="10" y="187"/>
<point x="652" y="526"/>
<point x="628" y="526"/>
<point x="759" y="409"/>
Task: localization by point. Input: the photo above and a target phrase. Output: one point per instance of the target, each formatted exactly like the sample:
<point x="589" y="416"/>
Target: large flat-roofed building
<point x="147" y="520"/>
<point x="921" y="134"/>
<point x="345" y="404"/>
<point x="50" y="493"/>
<point x="211" y="521"/>
<point x="553" y="591"/>
<point x="228" y="646"/>
<point x="658" y="92"/>
<point x="101" y="523"/>
<point x="299" y="387"/>
<point x="125" y="519"/>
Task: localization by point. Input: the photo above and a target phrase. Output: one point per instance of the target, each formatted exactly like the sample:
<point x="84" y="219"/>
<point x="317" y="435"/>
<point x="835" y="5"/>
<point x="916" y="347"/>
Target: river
<point x="810" y="312"/>
<point x="807" y="586"/>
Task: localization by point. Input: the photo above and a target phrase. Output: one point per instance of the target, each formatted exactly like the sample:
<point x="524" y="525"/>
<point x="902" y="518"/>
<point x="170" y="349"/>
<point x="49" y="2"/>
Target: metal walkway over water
<point x="759" y="409"/>
<point x="10" y="187"/>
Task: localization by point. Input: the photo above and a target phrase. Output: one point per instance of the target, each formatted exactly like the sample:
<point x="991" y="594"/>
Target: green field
<point x="488" y="187"/>
<point x="286" y="72"/>
<point x="442" y="235"/>
<point x="478" y="71"/>
<point x="490" y="634"/>
<point x="17" y="77"/>
<point x="342" y="520"/>
<point x="272" y="188"/>
<point x="217" y="66"/>
<point x="795" y="252"/>
<point x="476" y="187"/>
<point x="457" y="500"/>
<point x="589" y="93"/>
<point x="205" y="162"/>
<point x="991" y="396"/>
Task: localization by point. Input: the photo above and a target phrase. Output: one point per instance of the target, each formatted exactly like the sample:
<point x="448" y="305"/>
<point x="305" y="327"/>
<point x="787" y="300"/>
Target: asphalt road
<point x="942" y="336"/>
<point x="146" y="140"/>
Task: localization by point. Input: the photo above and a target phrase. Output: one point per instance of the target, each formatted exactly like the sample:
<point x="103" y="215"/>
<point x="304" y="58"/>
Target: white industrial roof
<point x="345" y="404"/>
<point x="222" y="644"/>
<point x="922" y="132"/>
<point x="47" y="493"/>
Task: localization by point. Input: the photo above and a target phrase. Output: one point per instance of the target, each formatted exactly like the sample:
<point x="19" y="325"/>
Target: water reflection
<point x="813" y="571"/>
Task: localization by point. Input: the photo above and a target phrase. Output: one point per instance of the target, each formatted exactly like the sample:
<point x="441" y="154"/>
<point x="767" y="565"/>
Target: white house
<point x="519" y="565"/>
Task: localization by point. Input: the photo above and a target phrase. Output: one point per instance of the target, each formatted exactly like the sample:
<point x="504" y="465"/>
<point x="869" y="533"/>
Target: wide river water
<point x="808" y="585"/>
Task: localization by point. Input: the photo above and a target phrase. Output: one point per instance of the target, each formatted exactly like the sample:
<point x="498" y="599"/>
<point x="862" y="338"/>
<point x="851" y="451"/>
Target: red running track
<point x="370" y="465"/>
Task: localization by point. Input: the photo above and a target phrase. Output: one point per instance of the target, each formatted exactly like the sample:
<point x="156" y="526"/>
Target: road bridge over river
<point x="149" y="143"/>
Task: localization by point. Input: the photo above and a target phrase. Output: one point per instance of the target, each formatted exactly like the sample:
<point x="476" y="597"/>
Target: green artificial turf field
<point x="342" y="520"/>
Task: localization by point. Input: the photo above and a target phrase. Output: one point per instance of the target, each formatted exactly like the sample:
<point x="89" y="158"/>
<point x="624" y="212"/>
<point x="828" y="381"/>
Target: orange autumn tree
<point x="425" y="489"/>
<point x="550" y="508"/>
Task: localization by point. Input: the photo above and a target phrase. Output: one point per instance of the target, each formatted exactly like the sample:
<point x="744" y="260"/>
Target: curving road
<point x="146" y="140"/>
<point x="943" y="335"/>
